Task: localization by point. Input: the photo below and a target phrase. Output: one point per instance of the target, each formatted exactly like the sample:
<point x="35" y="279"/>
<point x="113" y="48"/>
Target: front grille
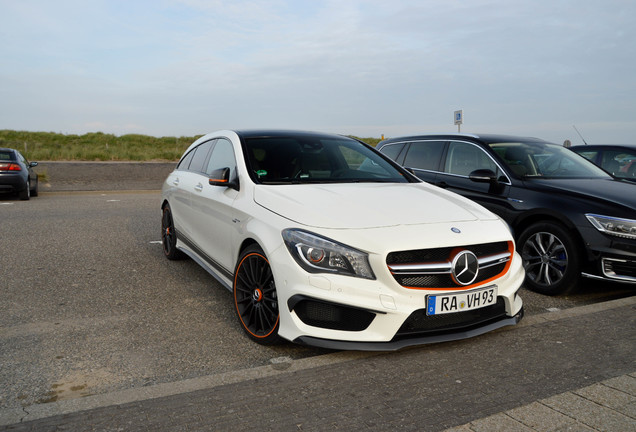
<point x="440" y="254"/>
<point x="431" y="268"/>
<point x="418" y="323"/>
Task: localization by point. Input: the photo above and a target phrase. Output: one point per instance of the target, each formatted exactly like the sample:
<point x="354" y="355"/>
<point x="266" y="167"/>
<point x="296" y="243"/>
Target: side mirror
<point x="483" y="176"/>
<point x="221" y="177"/>
<point x="487" y="176"/>
<point x="33" y="164"/>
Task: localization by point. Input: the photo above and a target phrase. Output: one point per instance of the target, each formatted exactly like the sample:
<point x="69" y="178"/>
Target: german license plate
<point x="461" y="302"/>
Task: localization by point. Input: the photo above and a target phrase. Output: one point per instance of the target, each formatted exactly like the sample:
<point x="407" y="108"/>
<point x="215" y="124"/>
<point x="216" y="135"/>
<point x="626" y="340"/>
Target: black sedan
<point x="17" y="175"/>
<point x="570" y="218"/>
<point x="618" y="160"/>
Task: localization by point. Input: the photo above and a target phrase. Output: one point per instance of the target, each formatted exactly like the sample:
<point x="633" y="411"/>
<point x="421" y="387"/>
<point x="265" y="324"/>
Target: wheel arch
<point x="539" y="216"/>
<point x="244" y="245"/>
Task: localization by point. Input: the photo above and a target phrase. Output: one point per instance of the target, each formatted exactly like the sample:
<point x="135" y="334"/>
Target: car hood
<point x="612" y="191"/>
<point x="367" y="205"/>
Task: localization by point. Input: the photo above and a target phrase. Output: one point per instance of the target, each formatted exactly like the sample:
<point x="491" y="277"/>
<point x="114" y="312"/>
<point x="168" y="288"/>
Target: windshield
<point x="537" y="159"/>
<point x="284" y="160"/>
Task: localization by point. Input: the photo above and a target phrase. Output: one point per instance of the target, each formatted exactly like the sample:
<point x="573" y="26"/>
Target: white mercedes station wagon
<point x="325" y="242"/>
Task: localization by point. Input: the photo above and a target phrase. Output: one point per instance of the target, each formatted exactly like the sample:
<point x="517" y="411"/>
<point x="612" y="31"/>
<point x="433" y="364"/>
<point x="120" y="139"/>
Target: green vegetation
<point x="98" y="146"/>
<point x="371" y="141"/>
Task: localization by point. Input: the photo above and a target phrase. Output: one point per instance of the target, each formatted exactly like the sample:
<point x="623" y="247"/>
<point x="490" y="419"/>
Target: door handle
<point x="175" y="182"/>
<point x="198" y="187"/>
<point x="441" y="184"/>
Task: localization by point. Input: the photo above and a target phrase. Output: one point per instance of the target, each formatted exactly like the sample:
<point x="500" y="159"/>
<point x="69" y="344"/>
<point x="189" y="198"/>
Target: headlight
<point x="625" y="228"/>
<point x="318" y="254"/>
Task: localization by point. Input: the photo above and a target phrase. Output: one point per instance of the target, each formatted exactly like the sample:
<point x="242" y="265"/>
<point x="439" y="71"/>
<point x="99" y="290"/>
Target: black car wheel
<point x="255" y="297"/>
<point x="169" y="236"/>
<point x="550" y="258"/>
<point x="25" y="193"/>
<point x="34" y="191"/>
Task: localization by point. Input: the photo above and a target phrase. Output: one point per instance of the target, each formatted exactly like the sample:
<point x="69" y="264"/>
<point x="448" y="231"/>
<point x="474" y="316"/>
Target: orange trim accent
<point x="511" y="250"/>
<point x="219" y="180"/>
<point x="236" y="303"/>
<point x="260" y="295"/>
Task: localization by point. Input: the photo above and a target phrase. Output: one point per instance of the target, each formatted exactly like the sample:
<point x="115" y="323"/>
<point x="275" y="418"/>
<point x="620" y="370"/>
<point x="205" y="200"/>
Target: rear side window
<point x="590" y="155"/>
<point x="424" y="155"/>
<point x="185" y="162"/>
<point x="200" y="156"/>
<point x="392" y="150"/>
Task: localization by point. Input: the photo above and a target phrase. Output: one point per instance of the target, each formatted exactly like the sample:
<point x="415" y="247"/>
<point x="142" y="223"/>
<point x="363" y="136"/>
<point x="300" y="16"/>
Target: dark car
<point x="17" y="175"/>
<point x="618" y="160"/>
<point x="569" y="217"/>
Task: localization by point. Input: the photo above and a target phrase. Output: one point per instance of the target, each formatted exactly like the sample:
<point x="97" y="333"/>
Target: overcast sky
<point x="360" y="67"/>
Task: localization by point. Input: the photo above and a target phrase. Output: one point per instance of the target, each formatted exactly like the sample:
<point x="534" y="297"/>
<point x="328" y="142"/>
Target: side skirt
<point x="221" y="274"/>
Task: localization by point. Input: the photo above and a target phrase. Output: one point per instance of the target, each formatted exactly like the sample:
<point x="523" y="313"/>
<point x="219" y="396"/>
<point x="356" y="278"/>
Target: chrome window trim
<point x="450" y="140"/>
<point x="507" y="182"/>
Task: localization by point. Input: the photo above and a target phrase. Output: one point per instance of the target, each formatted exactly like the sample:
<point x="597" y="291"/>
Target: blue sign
<point x="458" y="117"/>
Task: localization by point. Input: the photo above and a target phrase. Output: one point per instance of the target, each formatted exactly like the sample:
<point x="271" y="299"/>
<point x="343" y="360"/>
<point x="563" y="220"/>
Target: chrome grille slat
<point x="413" y="269"/>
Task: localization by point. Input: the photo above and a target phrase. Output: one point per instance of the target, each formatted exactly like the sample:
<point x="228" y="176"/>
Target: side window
<point x="185" y="162"/>
<point x="200" y="156"/>
<point x="619" y="163"/>
<point x="590" y="155"/>
<point x="393" y="150"/>
<point x="464" y="158"/>
<point x="222" y="157"/>
<point x="424" y="155"/>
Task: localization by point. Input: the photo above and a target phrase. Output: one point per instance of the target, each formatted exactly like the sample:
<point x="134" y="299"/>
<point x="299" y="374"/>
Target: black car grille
<point x="431" y="268"/>
<point x="418" y="323"/>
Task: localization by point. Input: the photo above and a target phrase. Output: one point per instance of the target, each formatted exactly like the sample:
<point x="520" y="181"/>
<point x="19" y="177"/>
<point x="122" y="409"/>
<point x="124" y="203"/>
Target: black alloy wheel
<point x="25" y="194"/>
<point x="169" y="236"/>
<point x="550" y="258"/>
<point x="255" y="297"/>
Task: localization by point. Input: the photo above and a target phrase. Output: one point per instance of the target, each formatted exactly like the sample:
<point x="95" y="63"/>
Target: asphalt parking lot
<point x="90" y="306"/>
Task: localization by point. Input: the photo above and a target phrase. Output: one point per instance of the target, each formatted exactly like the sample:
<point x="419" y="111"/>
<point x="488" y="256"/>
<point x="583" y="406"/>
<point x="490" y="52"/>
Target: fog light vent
<point x="318" y="313"/>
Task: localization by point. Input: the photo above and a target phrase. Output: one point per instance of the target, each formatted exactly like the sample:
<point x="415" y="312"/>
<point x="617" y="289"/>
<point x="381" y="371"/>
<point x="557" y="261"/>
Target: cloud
<point x="185" y="67"/>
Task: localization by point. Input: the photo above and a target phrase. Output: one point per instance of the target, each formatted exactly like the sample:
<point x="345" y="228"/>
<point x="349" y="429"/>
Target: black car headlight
<point x="625" y="228"/>
<point x="317" y="254"/>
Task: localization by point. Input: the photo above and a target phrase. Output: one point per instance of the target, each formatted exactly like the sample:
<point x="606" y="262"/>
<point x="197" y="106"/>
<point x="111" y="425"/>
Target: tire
<point x="255" y="297"/>
<point x="25" y="194"/>
<point x="34" y="191"/>
<point x="169" y="235"/>
<point x="550" y="258"/>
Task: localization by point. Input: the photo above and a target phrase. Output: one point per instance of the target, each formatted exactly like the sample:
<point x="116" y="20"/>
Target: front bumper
<point x="342" y="312"/>
<point x="615" y="270"/>
<point x="399" y="343"/>
<point x="609" y="258"/>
